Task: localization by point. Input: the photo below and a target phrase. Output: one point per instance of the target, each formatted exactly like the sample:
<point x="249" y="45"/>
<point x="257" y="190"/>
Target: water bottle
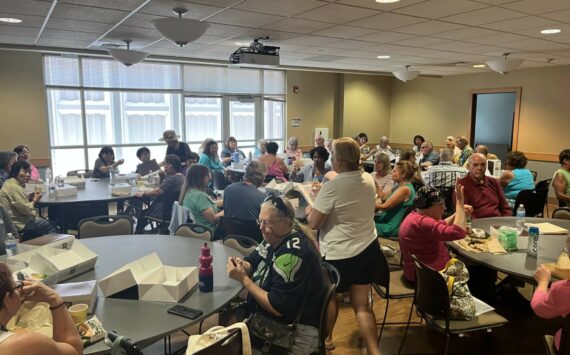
<point x="206" y="273"/>
<point x="48" y="176"/>
<point x="11" y="245"/>
<point x="532" y="246"/>
<point x="112" y="176"/>
<point x="60" y="182"/>
<point x="468" y="224"/>
<point x="51" y="191"/>
<point x="249" y="157"/>
<point x="520" y="217"/>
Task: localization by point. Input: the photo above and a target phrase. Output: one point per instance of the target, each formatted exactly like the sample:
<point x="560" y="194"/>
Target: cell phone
<point x="183" y="311"/>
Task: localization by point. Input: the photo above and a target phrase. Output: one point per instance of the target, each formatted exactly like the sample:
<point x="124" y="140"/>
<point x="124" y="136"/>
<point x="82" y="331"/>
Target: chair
<point x="160" y="211"/>
<point x="220" y="181"/>
<point x="228" y="345"/>
<point x="447" y="193"/>
<point x="331" y="278"/>
<point x="431" y="299"/>
<point x="561" y="213"/>
<point x="534" y="175"/>
<point x="268" y="178"/>
<point x="245" y="245"/>
<point x="102" y="226"/>
<point x="194" y="230"/>
<point x="85" y="173"/>
<point x="532" y="201"/>
<point x="241" y="227"/>
<point x="542" y="188"/>
<point x="564" y="346"/>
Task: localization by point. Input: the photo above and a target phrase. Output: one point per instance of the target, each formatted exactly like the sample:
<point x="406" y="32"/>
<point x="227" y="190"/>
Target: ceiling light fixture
<point x="127" y="56"/>
<point x="383" y="57"/>
<point x="477" y="66"/>
<point x="406" y="75"/>
<point x="505" y="65"/>
<point x="10" y="20"/>
<point x="386" y="1"/>
<point x="180" y="30"/>
<point x="550" y="31"/>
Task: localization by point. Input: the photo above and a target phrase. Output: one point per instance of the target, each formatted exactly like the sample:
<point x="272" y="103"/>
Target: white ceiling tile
<point x="452" y="45"/>
<point x="535" y="32"/>
<point x="537" y="45"/>
<point x="243" y="18"/>
<point x="279" y="7"/>
<point x="465" y="33"/>
<point x="539" y="7"/>
<point x="310" y="40"/>
<point x="275" y="37"/>
<point x="164" y="8"/>
<point x="216" y="29"/>
<point x="76" y="25"/>
<point x="425" y="42"/>
<point x="11" y="39"/>
<point x="342" y="31"/>
<point x="497" y="38"/>
<point x="28" y="7"/>
<point x="386" y="21"/>
<point x="348" y="44"/>
<point x="76" y="35"/>
<point x="440" y="8"/>
<point x="496" y="2"/>
<point x="482" y="16"/>
<point x="63" y="42"/>
<point x="141" y="20"/>
<point x="220" y="3"/>
<point x="298" y="25"/>
<point x="379" y="6"/>
<point x="563" y="16"/>
<point x="520" y="23"/>
<point x="487" y="50"/>
<point x="85" y="13"/>
<point x="124" y="5"/>
<point x="336" y="13"/>
<point x="428" y="28"/>
<point x="384" y="37"/>
<point x="9" y="30"/>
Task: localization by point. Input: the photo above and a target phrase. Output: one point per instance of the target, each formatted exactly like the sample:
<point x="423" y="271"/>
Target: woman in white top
<point x="344" y="211"/>
<point x="382" y="168"/>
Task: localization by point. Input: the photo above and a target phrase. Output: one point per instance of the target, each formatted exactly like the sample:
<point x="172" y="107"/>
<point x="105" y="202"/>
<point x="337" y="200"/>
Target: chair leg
<point x="446" y="344"/>
<point x="406" y="331"/>
<point x="384" y="320"/>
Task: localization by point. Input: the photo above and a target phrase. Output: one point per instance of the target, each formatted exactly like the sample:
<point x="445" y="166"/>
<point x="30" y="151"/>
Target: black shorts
<point x="361" y="269"/>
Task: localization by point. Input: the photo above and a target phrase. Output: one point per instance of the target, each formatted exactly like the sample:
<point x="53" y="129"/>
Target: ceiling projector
<point x="256" y="53"/>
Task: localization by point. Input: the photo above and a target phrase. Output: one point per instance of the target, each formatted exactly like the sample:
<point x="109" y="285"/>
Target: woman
<point x="66" y="339"/>
<point x="105" y="163"/>
<point x="343" y="211"/>
<point x="7" y="159"/>
<point x="230" y="148"/>
<point x="275" y="166"/>
<point x="260" y="149"/>
<point x="292" y="150"/>
<point x="168" y="191"/>
<point x="209" y="157"/>
<point x="384" y="146"/>
<point x="315" y="171"/>
<point x="423" y="233"/>
<point x="195" y="199"/>
<point x="21" y="207"/>
<point x="402" y="197"/>
<point x="418" y="140"/>
<point x="383" y="180"/>
<point x="410" y="155"/>
<point x="516" y="178"/>
<point x="282" y="276"/>
<point x="23" y="152"/>
<point x="561" y="180"/>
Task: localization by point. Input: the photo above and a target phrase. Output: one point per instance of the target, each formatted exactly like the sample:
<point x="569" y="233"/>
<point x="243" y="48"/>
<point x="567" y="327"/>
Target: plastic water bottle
<point x="249" y="157"/>
<point x="112" y="176"/>
<point x="521" y="212"/>
<point x="51" y="191"/>
<point x="206" y="273"/>
<point x="11" y="245"/>
<point x="532" y="246"/>
<point x="48" y="176"/>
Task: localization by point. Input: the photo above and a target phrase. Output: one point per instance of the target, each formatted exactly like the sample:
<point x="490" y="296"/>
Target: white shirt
<point x="348" y="200"/>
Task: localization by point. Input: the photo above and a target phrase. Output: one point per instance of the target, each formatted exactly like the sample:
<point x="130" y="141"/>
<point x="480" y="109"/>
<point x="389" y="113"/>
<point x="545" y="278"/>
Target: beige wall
<point x="23" y="109"/>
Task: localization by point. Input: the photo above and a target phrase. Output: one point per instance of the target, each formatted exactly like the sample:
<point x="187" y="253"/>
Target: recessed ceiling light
<point x="479" y="66"/>
<point x="386" y="1"/>
<point x="10" y="20"/>
<point x="383" y="57"/>
<point x="241" y="44"/>
<point x="550" y="31"/>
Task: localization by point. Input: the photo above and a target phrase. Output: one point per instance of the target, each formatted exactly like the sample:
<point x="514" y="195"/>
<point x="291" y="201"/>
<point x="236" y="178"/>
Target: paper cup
<point x="78" y="312"/>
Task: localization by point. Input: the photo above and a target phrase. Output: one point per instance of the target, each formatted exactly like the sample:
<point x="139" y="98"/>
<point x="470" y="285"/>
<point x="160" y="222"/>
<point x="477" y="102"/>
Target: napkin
<point x="548" y="228"/>
<point x="490" y="245"/>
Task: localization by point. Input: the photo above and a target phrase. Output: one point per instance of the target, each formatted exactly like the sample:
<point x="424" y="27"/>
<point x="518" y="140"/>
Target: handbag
<point x="214" y="334"/>
<point x="461" y="303"/>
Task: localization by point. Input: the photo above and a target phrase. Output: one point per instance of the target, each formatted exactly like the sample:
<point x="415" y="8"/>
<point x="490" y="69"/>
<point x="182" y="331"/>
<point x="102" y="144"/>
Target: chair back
<point x="382" y="278"/>
<point x="565" y="337"/>
<point x="534" y="175"/>
<point x="102" y="226"/>
<point x="228" y="345"/>
<point x="245" y="245"/>
<point x="543" y="185"/>
<point x="220" y="181"/>
<point x="331" y="278"/>
<point x="532" y="201"/>
<point x="194" y="230"/>
<point x="268" y="178"/>
<point x="178" y="216"/>
<point x="431" y="295"/>
<point x="242" y="227"/>
<point x="85" y="173"/>
<point x="561" y="213"/>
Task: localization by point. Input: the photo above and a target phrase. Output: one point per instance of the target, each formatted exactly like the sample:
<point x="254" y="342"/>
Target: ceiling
<point x="438" y="37"/>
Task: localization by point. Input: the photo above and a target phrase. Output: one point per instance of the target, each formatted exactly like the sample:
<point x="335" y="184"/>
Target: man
<point x="482" y="192"/>
<point x="561" y="181"/>
<point x="429" y="157"/>
<point x="180" y="149"/>
<point x="466" y="150"/>
<point x="450" y="143"/>
<point x="445" y="174"/>
<point x="242" y="200"/>
<point x="7" y="159"/>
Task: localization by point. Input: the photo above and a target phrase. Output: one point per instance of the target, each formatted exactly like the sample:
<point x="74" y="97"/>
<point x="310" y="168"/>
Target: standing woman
<point x="23" y="152"/>
<point x="343" y="211"/>
<point x="105" y="162"/>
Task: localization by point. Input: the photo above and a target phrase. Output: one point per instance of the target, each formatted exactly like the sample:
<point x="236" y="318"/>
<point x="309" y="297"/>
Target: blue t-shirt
<point x="522" y="180"/>
<point x="242" y="201"/>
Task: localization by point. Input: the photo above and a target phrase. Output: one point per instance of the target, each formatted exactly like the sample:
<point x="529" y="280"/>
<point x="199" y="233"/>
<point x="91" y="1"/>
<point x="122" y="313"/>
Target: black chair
<point x="102" y="226"/>
<point x="159" y="212"/>
<point x="534" y="175"/>
<point x="241" y="227"/>
<point x="245" y="245"/>
<point x="220" y="181"/>
<point x="331" y="278"/>
<point x="561" y="213"/>
<point x="431" y="299"/>
<point x="542" y="188"/>
<point x="268" y="178"/>
<point x="564" y="346"/>
<point x="194" y="230"/>
<point x="532" y="201"/>
<point x="228" y="345"/>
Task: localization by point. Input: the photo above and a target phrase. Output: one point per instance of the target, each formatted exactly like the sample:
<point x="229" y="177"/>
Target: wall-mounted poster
<point x="296" y="122"/>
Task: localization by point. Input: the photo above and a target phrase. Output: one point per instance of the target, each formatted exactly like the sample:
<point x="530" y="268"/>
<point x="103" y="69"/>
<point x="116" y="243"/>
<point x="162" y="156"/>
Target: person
<point x="384" y="146"/>
<point x="429" y="157"/>
<point x="6" y="226"/>
<point x="466" y="150"/>
<point x="282" y="275"/>
<point x="365" y="151"/>
<point x="203" y="145"/>
<point x="409" y="155"/>
<point x="315" y="171"/>
<point x="445" y="173"/>
<point x="451" y="143"/>
<point x="294" y="153"/>
<point x="242" y="200"/>
<point x="516" y="177"/>
<point x="553" y="302"/>
<point x="105" y="163"/>
<point x="319" y="140"/>
<point x="7" y="159"/>
<point x="381" y="175"/>
<point x="485" y="151"/>
<point x="195" y="199"/>
<point x="230" y="148"/>
<point x="211" y="160"/>
<point x="260" y="149"/>
<point x="418" y="140"/>
<point x="180" y="149"/>
<point x="20" y="207"/>
<point x="423" y="232"/>
<point x="343" y="211"/>
<point x="561" y="180"/>
<point x="65" y="340"/>
<point x="402" y="197"/>
<point x="483" y="192"/>
<point x="23" y="152"/>
<point x="275" y="165"/>
<point x="147" y="165"/>
<point x="169" y="190"/>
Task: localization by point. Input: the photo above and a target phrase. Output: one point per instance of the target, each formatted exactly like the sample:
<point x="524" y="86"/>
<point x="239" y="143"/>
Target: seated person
<point x="451" y="143"/>
<point x="195" y="199"/>
<point x="319" y="140"/>
<point x="409" y="155"/>
<point x="315" y="171"/>
<point x="294" y="153"/>
<point x="365" y="151"/>
<point x="466" y="150"/>
<point x="516" y="177"/>
<point x="418" y="140"/>
<point x="402" y="197"/>
<point x="445" y="174"/>
<point x="275" y="165"/>
<point x="168" y="191"/>
<point x="382" y="176"/>
<point x="242" y="200"/>
<point x="6" y="226"/>
<point x="230" y="148"/>
<point x="65" y="340"/>
<point x="260" y="149"/>
<point x="429" y="157"/>
<point x="23" y="152"/>
<point x="20" y="207"/>
<point x="282" y="276"/>
<point x="105" y="163"/>
<point x="384" y="147"/>
<point x="423" y="232"/>
<point x="485" y="151"/>
<point x="483" y="192"/>
<point x="561" y="180"/>
<point x="210" y="159"/>
<point x="147" y="165"/>
<point x="7" y="159"/>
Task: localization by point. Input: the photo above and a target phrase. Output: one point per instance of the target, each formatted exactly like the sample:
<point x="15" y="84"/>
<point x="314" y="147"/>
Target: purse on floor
<point x="461" y="303"/>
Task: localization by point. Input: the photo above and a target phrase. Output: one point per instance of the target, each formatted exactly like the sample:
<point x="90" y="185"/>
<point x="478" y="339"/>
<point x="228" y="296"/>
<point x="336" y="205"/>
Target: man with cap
<point x="180" y="149"/>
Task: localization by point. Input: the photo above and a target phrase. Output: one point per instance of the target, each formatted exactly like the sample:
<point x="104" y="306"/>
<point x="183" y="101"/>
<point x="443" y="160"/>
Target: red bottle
<point x="206" y="274"/>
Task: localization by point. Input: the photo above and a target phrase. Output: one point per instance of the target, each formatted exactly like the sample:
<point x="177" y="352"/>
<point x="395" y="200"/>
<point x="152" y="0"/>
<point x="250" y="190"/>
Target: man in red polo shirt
<point x="482" y="192"/>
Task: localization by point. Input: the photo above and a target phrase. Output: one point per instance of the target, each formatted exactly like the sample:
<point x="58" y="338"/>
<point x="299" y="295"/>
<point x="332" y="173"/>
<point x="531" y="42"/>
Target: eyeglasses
<point x="19" y="286"/>
<point x="278" y="203"/>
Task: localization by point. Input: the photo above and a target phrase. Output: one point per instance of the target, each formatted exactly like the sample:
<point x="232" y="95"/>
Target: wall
<point x="23" y="108"/>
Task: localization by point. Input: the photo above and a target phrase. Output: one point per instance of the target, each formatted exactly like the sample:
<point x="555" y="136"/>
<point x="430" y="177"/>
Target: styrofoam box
<point x="78" y="292"/>
<point x="65" y="191"/>
<point x="31" y="187"/>
<point x="75" y="181"/>
<point x="125" y="177"/>
<point x="120" y="189"/>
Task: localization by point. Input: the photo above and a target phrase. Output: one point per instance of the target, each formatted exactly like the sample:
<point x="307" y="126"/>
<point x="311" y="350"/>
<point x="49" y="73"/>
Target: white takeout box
<point x="280" y="189"/>
<point x="120" y="189"/>
<point x="65" y="191"/>
<point x="77" y="293"/>
<point x="306" y="190"/>
<point x="75" y="181"/>
<point x="125" y="177"/>
<point x="155" y="281"/>
<point x="31" y="187"/>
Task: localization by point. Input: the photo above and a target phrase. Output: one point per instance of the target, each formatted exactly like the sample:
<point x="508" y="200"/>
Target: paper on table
<point x="548" y="228"/>
<point x="481" y="307"/>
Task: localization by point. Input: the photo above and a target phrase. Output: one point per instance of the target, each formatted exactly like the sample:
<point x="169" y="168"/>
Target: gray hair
<point x="384" y="159"/>
<point x="293" y="141"/>
<point x="262" y="141"/>
<point x="446" y="155"/>
<point x="384" y="139"/>
<point x="255" y="172"/>
<point x="5" y="158"/>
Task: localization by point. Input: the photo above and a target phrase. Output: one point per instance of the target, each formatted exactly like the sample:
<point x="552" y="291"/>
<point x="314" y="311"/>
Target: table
<point x="517" y="263"/>
<point x="146" y="322"/>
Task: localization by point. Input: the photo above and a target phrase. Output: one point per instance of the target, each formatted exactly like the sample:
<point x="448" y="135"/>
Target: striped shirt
<point x="444" y="175"/>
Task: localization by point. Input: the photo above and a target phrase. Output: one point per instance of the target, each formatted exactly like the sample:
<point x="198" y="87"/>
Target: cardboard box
<point x="280" y="189"/>
<point x="75" y="181"/>
<point x="78" y="292"/>
<point x="147" y="279"/>
<point x="65" y="191"/>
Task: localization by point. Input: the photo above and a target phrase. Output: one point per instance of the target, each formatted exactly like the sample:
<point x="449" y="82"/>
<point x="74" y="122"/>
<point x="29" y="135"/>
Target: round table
<point x="517" y="263"/>
<point x="143" y="321"/>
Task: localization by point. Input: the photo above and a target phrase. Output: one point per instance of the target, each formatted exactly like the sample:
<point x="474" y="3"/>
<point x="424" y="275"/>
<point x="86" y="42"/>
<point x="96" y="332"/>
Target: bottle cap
<point x="533" y="230"/>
